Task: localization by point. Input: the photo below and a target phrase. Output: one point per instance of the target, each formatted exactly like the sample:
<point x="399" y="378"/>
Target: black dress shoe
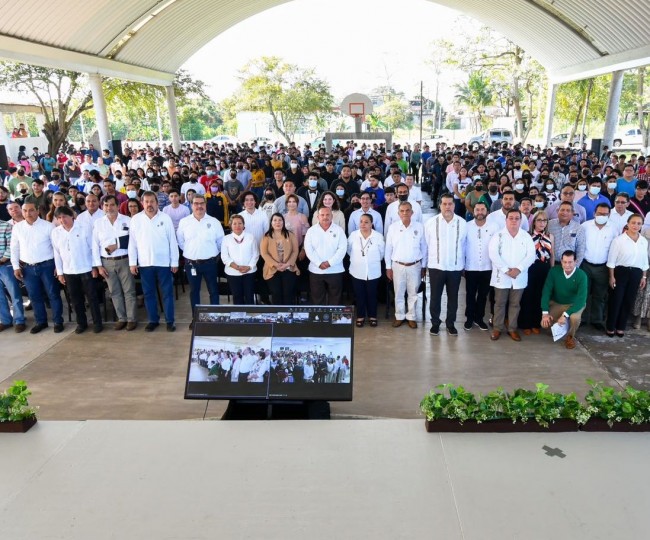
<point x="58" y="328"/>
<point x="81" y="328"/>
<point x="598" y="326"/>
<point x="97" y="328"/>
<point x="171" y="327"/>
<point x="151" y="326"/>
<point x="37" y="328"/>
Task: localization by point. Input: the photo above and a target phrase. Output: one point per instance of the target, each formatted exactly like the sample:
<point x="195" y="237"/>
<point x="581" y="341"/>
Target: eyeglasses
<point x="542" y="220"/>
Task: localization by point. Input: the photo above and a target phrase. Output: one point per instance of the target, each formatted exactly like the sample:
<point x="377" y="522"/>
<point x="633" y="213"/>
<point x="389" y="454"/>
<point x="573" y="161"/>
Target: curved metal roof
<point x="149" y="40"/>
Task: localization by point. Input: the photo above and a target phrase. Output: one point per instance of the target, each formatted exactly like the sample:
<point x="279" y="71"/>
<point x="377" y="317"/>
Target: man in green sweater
<point x="565" y="295"/>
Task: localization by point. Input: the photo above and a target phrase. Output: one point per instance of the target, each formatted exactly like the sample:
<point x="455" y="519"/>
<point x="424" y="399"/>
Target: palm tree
<point x="375" y="123"/>
<point x="476" y="94"/>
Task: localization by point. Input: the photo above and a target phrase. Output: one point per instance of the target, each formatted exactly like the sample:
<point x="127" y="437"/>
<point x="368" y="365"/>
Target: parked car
<point x="225" y="139"/>
<point x="561" y="139"/>
<point x="491" y="136"/>
<point x="631" y="137"/>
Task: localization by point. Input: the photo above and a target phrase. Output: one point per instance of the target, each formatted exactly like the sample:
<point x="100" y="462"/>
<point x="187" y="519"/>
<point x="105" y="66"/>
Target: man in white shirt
<point x="478" y="267"/>
<point x="512" y="251"/>
<point x="153" y="253"/>
<point x="199" y="236"/>
<point x="72" y="243"/>
<point x="405" y="251"/>
<point x="111" y="258"/>
<point x="366" y="208"/>
<point x="88" y="217"/>
<point x="415" y="193"/>
<point x="392" y="212"/>
<point x="599" y="235"/>
<point x="325" y="245"/>
<point x="498" y="217"/>
<point x="445" y="237"/>
<point x="620" y="214"/>
<point x="32" y="259"/>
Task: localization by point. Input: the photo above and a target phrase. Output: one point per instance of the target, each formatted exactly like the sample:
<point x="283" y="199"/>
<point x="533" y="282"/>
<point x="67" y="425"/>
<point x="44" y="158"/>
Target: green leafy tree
<point x="375" y="123"/>
<point x="395" y="112"/>
<point x="289" y="93"/>
<point x="476" y="94"/>
<point x="63" y="96"/>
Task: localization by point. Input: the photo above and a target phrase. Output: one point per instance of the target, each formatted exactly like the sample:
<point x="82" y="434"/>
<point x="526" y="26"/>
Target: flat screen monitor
<point x="271" y="353"/>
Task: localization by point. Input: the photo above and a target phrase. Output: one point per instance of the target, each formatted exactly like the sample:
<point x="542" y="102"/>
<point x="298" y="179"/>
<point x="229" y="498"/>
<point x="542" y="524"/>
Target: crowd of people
<point x="277" y="221"/>
<point x="232" y="364"/>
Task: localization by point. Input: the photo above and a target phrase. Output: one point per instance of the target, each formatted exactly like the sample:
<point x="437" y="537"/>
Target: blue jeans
<point x="39" y="279"/>
<point x="9" y="285"/>
<point x="153" y="277"/>
<point x="207" y="271"/>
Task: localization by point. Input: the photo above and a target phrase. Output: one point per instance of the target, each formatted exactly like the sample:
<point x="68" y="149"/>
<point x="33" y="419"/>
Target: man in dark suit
<point x="311" y="193"/>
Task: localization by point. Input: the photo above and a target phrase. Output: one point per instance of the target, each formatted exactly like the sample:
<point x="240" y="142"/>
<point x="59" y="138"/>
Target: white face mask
<point x="539" y="204"/>
<point x="611" y="185"/>
<point x="313" y="183"/>
<point x="294" y="165"/>
<point x="519" y="186"/>
<point x="340" y="192"/>
<point x="550" y="187"/>
<point x="601" y="220"/>
<point x="594" y="190"/>
<point x="582" y="187"/>
<point x="131" y="194"/>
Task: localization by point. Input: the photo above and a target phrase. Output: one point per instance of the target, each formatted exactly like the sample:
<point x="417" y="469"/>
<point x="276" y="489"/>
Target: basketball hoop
<point x="357" y="106"/>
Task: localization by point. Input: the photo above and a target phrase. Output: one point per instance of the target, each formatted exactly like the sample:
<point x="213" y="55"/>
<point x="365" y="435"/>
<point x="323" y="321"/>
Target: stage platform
<point x="349" y="479"/>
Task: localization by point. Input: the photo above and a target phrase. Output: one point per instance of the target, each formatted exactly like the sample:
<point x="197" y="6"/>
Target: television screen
<point x="271" y="353"/>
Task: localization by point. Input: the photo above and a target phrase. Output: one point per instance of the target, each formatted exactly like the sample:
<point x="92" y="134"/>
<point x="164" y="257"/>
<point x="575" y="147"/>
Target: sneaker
<point x="434" y="330"/>
<point x="451" y="330"/>
<point x="58" y="328"/>
<point x="482" y="325"/>
<point x="468" y="325"/>
<point x="151" y="326"/>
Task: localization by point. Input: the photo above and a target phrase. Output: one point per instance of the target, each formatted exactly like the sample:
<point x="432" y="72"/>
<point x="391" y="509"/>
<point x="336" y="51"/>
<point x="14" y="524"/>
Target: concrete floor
<point x="136" y="375"/>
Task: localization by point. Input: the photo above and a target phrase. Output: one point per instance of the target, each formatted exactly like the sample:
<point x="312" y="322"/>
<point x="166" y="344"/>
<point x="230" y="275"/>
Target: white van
<point x="493" y="135"/>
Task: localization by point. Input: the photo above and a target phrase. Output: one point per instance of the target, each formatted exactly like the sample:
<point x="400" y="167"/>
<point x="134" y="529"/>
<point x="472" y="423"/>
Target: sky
<point x="354" y="45"/>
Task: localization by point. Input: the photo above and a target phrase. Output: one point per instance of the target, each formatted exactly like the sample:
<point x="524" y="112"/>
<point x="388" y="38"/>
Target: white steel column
<point x="4" y="138"/>
<point x="173" y="118"/>
<point x="611" y="119"/>
<point x="550" y="112"/>
<point x="99" y="104"/>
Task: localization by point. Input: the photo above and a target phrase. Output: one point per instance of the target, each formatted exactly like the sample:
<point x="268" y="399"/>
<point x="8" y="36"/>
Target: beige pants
<point x="556" y="310"/>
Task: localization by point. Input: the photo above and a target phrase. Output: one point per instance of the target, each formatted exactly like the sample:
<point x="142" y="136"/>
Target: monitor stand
<point x="249" y="409"/>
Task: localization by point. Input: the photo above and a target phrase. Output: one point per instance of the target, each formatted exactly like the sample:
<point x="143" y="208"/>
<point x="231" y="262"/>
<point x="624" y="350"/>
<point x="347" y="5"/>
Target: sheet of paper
<point x="560" y="330"/>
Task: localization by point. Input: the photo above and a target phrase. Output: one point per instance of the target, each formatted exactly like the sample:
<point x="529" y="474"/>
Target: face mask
<point x="582" y="187"/>
<point x="478" y="188"/>
<point x="164" y="173"/>
<point x="55" y="177"/>
<point x="550" y="187"/>
<point x="601" y="220"/>
<point x="21" y="173"/>
<point x="269" y="196"/>
<point x="154" y="188"/>
<point x="240" y="167"/>
<point x="294" y="166"/>
<point x="517" y="167"/>
<point x="81" y="201"/>
<point x="556" y="169"/>
<point x="23" y="191"/>
<point x="131" y="194"/>
<point x="493" y="190"/>
<point x="118" y="176"/>
<point x="313" y="184"/>
<point x="193" y="179"/>
<point x="594" y="190"/>
<point x="539" y="204"/>
<point x="311" y="161"/>
<point x="233" y="176"/>
<point x="210" y="173"/>
<point x="356" y="205"/>
<point x="403" y="198"/>
<point x="519" y="187"/>
<point x="150" y="175"/>
<point x="340" y="192"/>
<point x="611" y="185"/>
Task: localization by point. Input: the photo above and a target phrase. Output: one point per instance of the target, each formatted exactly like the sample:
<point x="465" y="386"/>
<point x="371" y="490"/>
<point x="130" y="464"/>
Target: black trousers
<point x="530" y="315"/>
<point x="80" y="287"/>
<point x="621" y="298"/>
<point x="243" y="289"/>
<point x="326" y="289"/>
<point x="283" y="288"/>
<point x="477" y="287"/>
<point x="440" y="280"/>
<point x="365" y="292"/>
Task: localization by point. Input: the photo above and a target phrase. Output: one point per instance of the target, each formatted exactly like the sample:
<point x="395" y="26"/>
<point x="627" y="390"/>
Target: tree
<point x="395" y="113"/>
<point x="476" y="95"/>
<point x="375" y="123"/>
<point x="63" y="96"/>
<point x="516" y="77"/>
<point x="287" y="92"/>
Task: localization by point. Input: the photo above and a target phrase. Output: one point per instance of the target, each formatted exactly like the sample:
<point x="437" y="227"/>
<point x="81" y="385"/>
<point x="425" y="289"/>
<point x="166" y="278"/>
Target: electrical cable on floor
<point x="206" y="408"/>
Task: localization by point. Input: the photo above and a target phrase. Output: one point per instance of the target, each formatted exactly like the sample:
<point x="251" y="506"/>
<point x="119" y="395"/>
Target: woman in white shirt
<point x="366" y="250"/>
<point x="627" y="263"/>
<point x="239" y="253"/>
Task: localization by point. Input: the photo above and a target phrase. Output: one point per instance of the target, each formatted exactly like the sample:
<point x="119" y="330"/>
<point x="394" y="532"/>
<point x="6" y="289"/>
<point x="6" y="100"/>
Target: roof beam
<point x="29" y="52"/>
<point x="607" y="64"/>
